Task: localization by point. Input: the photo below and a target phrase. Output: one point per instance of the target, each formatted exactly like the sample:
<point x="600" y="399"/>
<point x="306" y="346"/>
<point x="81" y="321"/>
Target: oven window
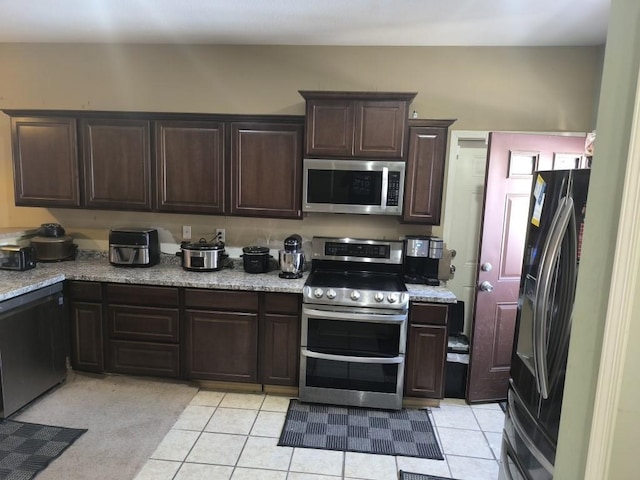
<point x="361" y="339"/>
<point x="370" y="377"/>
<point x="347" y="187"/>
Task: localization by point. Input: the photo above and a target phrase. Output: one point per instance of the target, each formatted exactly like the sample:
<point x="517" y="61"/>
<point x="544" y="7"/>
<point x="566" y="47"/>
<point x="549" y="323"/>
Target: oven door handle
<point x="349" y="358"/>
<point x="356" y="317"/>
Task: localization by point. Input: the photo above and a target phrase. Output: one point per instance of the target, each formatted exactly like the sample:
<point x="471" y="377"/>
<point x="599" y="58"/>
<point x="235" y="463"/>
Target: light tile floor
<point x="232" y="436"/>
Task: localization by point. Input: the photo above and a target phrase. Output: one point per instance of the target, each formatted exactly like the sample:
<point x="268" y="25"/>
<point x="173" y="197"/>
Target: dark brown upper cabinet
<point x="246" y="165"/>
<point x="45" y="159"/>
<point x="117" y="163"/>
<point x="424" y="178"/>
<point x="356" y="124"/>
<point x="190" y="166"/>
<point x="266" y="169"/>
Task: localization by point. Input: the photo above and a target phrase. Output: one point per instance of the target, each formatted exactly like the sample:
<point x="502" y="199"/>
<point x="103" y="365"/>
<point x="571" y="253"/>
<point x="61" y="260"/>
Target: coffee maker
<point x="291" y="257"/>
<point x="422" y="256"/>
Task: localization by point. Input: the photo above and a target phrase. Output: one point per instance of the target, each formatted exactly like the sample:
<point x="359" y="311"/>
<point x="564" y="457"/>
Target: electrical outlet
<point x="186" y="232"/>
<point x="220" y="235"/>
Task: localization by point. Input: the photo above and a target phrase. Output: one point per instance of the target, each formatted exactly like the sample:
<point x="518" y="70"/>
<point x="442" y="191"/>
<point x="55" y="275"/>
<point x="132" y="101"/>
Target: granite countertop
<point x="169" y="273"/>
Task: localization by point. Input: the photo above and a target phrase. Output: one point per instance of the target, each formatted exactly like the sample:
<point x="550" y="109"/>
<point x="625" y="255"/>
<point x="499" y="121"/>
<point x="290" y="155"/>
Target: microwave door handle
<point x="385" y="188"/>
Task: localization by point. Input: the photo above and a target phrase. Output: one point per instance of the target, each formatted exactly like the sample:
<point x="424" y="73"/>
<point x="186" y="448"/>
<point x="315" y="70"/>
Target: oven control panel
<point x="351" y="297"/>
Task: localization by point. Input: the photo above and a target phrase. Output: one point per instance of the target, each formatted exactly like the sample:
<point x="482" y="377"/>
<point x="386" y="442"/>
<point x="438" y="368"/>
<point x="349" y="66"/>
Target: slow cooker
<point x="52" y="245"/>
<point x="202" y="256"/>
<point x="255" y="259"/>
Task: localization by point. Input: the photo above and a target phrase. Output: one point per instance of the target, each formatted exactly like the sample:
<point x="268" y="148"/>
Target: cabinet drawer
<point x="142" y="295"/>
<point x="143" y="358"/>
<point x="143" y="323"/>
<point x="221" y="300"/>
<point x="282" y="303"/>
<point x="85" y="291"/>
<point x="430" y="313"/>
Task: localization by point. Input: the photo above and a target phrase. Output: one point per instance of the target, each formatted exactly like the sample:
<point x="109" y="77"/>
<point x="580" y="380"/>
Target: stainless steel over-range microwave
<point x="374" y="187"/>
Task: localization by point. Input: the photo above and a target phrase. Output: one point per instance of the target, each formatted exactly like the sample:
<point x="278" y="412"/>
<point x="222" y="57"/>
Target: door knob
<point x="486" y="286"/>
<point x="486" y="267"/>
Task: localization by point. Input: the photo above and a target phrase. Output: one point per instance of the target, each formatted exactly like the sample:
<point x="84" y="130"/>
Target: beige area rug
<point x="125" y="417"/>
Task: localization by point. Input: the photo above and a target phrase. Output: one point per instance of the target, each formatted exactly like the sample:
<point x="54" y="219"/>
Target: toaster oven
<point x="15" y="257"/>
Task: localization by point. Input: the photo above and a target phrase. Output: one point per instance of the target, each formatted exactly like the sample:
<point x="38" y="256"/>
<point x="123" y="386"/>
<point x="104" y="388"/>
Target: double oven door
<point x="352" y="356"/>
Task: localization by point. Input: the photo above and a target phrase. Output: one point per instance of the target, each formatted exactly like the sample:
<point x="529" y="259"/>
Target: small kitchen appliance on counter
<point x="203" y="256"/>
<point x="291" y="257"/>
<point x="134" y="247"/>
<point x="256" y="259"/>
<point x="52" y="245"/>
<point x="422" y="256"/>
<point x="15" y="257"/>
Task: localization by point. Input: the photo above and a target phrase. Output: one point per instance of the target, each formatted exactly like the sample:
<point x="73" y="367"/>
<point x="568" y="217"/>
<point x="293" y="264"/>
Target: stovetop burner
<point x="356" y="273"/>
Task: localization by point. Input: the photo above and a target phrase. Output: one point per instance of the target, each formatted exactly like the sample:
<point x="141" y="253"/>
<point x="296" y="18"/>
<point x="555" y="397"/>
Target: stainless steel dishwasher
<point x="33" y="349"/>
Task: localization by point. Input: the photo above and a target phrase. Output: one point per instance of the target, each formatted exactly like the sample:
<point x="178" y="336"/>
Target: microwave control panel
<point x="393" y="190"/>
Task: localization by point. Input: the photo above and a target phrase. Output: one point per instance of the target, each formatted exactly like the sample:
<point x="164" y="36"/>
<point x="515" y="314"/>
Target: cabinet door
<point x="280" y="339"/>
<point x="380" y="129"/>
<point x="329" y="128"/>
<point x="425" y="175"/>
<point x="144" y="358"/>
<point x="117" y="164"/>
<point x="87" y="341"/>
<point x="222" y="346"/>
<point x="426" y="356"/>
<point x="266" y="169"/>
<point x="281" y="349"/>
<point x="190" y="167"/>
<point x="45" y="162"/>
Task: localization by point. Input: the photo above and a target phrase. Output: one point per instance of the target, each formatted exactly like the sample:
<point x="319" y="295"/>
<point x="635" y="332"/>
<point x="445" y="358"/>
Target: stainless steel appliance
<point x="15" y="257"/>
<point x="291" y="257"/>
<point x="543" y="324"/>
<point x="422" y="259"/>
<point x="353" y="186"/>
<point x="52" y="244"/>
<point x="203" y="256"/>
<point x="354" y="324"/>
<point x="134" y="247"/>
<point x="32" y="346"/>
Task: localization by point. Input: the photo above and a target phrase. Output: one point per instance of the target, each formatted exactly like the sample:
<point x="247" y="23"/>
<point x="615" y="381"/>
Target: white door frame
<point x="624" y="280"/>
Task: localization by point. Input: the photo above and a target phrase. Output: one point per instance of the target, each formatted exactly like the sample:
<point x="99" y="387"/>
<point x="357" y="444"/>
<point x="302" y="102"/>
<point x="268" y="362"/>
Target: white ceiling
<point x="308" y="22"/>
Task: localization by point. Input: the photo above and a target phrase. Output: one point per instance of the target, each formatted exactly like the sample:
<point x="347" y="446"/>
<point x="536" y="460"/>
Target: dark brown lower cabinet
<point x="87" y="339"/>
<point x="426" y="351"/>
<point x="281" y="339"/>
<point x="221" y="335"/>
<point x="143" y="339"/>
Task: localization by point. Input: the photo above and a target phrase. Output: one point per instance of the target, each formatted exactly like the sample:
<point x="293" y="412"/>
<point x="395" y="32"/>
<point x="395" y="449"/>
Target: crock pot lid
<point x="203" y="246"/>
<point x="255" y="250"/>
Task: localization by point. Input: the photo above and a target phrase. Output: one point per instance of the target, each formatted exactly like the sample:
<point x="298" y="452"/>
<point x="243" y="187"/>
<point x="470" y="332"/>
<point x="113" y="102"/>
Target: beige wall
<point x="530" y="89"/>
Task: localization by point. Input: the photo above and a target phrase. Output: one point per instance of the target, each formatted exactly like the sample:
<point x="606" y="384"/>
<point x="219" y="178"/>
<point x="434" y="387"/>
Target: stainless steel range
<point x="354" y="324"/>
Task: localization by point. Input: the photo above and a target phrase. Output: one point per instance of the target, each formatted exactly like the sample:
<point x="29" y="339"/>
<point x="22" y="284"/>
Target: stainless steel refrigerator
<point x="543" y="323"/>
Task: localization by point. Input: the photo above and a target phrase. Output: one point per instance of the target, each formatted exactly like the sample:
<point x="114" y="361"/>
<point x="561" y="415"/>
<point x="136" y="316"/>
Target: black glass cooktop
<point x="385" y="282"/>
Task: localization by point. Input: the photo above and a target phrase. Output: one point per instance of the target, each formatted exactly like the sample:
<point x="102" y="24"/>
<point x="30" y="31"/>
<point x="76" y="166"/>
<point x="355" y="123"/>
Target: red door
<point x="511" y="160"/>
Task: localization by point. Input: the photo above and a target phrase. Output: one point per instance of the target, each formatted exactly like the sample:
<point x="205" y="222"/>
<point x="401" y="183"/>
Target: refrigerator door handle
<point x="559" y="228"/>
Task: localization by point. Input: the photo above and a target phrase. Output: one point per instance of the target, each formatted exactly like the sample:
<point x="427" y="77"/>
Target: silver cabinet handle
<point x="486" y="286"/>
